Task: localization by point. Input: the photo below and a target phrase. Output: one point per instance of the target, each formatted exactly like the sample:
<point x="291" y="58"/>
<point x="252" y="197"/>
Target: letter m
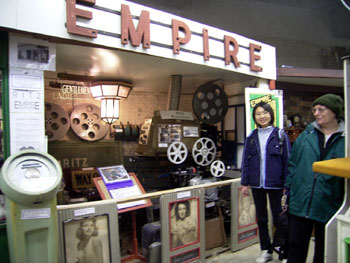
<point x="128" y="28"/>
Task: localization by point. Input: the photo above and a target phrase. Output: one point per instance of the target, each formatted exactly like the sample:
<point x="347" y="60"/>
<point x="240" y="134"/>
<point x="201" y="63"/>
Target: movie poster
<point x="256" y="95"/>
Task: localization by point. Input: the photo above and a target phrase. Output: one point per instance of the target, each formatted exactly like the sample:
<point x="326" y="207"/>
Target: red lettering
<point x="254" y="57"/>
<point x="231" y="54"/>
<point x="177" y="26"/>
<point x="142" y="32"/>
<point x="73" y="13"/>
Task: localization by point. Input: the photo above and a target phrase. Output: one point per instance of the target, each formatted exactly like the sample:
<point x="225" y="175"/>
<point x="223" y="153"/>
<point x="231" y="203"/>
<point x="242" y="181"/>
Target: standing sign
<point x="254" y="96"/>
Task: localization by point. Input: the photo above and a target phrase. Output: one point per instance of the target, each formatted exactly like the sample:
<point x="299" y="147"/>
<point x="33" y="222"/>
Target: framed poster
<point x="183" y="228"/>
<point x="244" y="227"/>
<point x="89" y="232"/>
<point x="184" y="222"/>
<point x="246" y="209"/>
<point x="254" y="96"/>
<point x="87" y="238"/>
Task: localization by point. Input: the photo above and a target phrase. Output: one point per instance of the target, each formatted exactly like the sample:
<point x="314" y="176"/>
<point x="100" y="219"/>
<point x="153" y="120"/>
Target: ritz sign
<point x="181" y="34"/>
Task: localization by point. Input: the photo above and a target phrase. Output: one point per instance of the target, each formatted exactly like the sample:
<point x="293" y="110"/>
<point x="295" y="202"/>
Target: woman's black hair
<point x="267" y="108"/>
<point x="188" y="209"/>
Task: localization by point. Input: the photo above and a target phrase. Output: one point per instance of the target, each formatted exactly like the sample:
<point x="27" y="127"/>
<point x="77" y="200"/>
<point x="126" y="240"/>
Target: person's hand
<point x="245" y="190"/>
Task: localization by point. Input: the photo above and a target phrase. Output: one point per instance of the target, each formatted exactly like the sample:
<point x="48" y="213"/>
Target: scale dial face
<point x="33" y="176"/>
<point x="30" y="177"/>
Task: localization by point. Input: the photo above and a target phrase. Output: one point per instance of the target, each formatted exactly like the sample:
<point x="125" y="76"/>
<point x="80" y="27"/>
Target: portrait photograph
<point x="184" y="222"/>
<point x="86" y="240"/>
<point x="246" y="209"/>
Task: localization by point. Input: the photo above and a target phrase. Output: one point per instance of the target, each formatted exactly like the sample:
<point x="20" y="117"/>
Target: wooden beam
<point x="148" y="195"/>
<point x="309" y="73"/>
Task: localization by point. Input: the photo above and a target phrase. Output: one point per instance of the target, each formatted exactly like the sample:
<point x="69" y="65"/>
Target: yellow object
<point x="337" y="167"/>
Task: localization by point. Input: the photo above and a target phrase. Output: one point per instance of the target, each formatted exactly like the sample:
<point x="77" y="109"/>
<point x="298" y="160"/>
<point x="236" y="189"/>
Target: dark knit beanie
<point x="332" y="102"/>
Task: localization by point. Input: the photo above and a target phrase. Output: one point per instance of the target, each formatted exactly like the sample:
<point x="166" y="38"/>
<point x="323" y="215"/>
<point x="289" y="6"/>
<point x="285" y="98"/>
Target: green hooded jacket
<point x="314" y="195"/>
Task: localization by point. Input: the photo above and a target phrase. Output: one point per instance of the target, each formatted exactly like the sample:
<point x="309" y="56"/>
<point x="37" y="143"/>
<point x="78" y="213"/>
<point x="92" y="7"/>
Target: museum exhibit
<point x="124" y="124"/>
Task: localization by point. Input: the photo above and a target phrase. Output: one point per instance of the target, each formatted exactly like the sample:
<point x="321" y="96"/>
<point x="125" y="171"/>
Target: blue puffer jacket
<point x="276" y="160"/>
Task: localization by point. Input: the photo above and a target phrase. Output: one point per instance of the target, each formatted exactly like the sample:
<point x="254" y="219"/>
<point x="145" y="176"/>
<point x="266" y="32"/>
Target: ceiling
<point x="150" y="73"/>
<point x="146" y="73"/>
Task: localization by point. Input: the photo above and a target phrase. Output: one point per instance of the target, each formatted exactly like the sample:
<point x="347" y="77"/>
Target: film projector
<point x="175" y="133"/>
<point x="177" y="138"/>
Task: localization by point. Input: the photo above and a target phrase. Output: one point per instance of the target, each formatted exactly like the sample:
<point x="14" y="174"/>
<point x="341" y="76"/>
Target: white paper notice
<point x="25" y="132"/>
<point x="84" y="211"/>
<point x="27" y="111"/>
<point x="35" y="213"/>
<point x="124" y="192"/>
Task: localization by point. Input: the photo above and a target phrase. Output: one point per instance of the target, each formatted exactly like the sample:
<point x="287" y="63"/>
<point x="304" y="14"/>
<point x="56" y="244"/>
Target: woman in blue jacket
<point x="264" y="170"/>
<point x="315" y="197"/>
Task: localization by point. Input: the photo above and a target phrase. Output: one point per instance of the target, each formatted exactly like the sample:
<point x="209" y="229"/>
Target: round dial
<point x="32" y="176"/>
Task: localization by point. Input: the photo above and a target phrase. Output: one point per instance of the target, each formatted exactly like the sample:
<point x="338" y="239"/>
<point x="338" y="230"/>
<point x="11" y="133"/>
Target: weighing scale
<point x="30" y="181"/>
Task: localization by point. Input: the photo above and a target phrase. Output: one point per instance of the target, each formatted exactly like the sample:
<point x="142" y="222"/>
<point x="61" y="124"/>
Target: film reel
<point x="210" y="103"/>
<point x="56" y="121"/>
<point x="86" y="122"/>
<point x="204" y="151"/>
<point x="177" y="152"/>
<point x="217" y="168"/>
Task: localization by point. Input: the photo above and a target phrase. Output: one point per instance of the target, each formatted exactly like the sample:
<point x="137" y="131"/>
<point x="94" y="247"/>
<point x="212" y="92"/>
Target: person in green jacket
<point x="314" y="197"/>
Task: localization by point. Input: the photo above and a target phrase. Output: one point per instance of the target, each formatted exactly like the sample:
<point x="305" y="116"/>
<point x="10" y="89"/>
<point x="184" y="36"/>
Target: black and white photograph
<point x="34" y="53"/>
<point x="168" y="133"/>
<point x="246" y="210"/>
<point x="190" y="131"/>
<point x="114" y="174"/>
<point x="244" y="227"/>
<point x="184" y="223"/>
<point x="87" y="240"/>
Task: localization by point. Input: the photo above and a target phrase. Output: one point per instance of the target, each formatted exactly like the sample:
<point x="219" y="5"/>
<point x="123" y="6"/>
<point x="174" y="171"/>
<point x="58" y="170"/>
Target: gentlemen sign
<point x="134" y="27"/>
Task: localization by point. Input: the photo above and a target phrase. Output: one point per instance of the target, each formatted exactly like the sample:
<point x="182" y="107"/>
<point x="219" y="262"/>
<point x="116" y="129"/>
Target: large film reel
<point x="56" y="121"/>
<point x="204" y="151"/>
<point x="210" y="103"/>
<point x="177" y="152"/>
<point x="87" y="123"/>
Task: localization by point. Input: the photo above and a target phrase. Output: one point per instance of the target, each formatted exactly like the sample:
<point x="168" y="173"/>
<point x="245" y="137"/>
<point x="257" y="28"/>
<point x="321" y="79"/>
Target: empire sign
<point x="180" y="34"/>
